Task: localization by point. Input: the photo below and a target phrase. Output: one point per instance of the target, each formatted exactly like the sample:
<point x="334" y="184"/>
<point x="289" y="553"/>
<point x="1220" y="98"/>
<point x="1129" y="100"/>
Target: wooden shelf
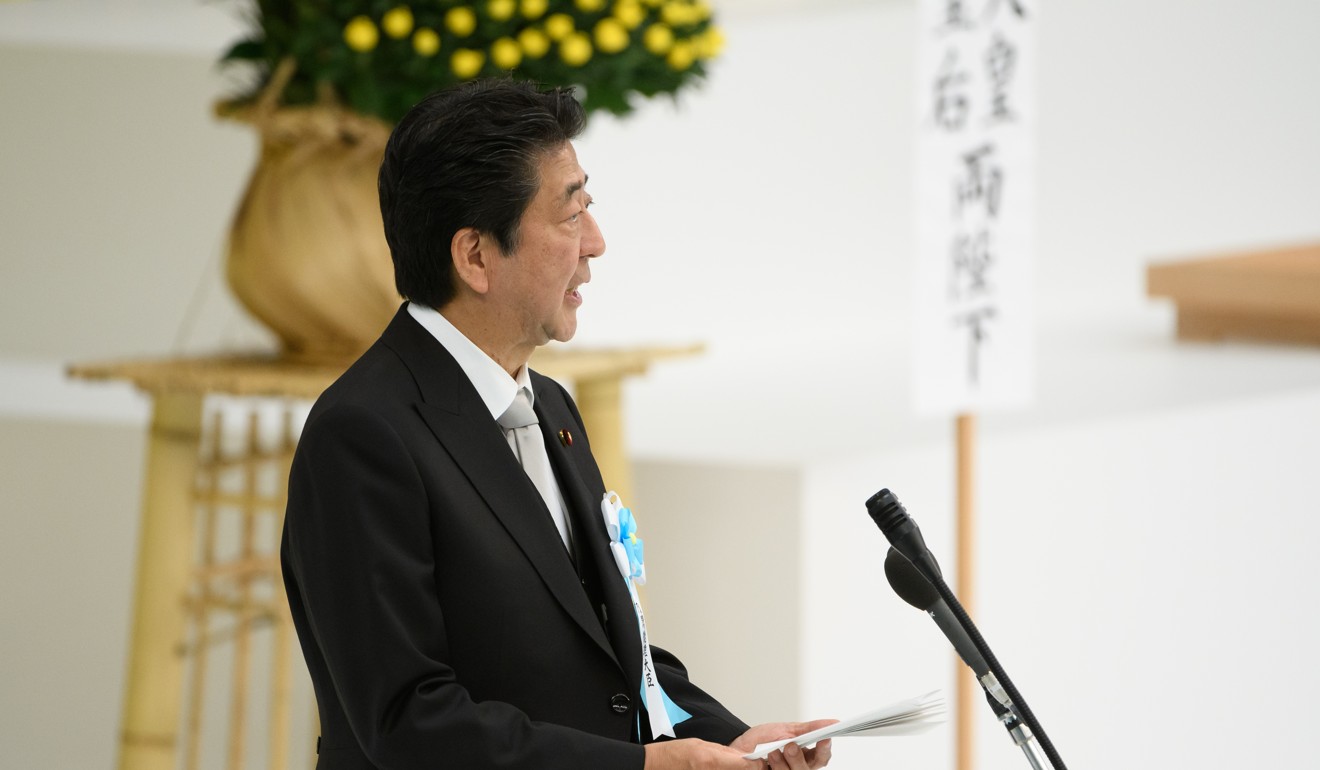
<point x="270" y="375"/>
<point x="1270" y="295"/>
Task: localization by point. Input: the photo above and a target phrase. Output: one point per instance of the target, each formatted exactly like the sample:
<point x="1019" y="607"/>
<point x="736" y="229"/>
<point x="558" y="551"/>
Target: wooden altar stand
<point x="208" y="546"/>
<point x="1269" y="295"/>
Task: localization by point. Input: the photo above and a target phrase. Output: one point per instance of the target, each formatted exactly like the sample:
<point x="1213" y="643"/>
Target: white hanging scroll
<point x="975" y="205"/>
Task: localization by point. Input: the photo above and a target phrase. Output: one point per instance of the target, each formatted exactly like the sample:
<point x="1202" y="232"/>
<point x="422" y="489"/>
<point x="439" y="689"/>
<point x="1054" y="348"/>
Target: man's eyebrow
<point x="575" y="186"/>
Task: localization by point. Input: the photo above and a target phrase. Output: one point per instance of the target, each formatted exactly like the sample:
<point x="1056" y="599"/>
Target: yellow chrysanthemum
<point x="630" y="13"/>
<point x="501" y="10"/>
<point x="559" y="26"/>
<point x="658" y="39"/>
<point x="466" y="63"/>
<point x="397" y="22"/>
<point x="461" y="21"/>
<point x="426" y="42"/>
<point x="589" y="5"/>
<point x="534" y="42"/>
<point x="676" y="13"/>
<point x="575" y="49"/>
<point x="680" y="56"/>
<point x="361" y="34"/>
<point x="700" y="10"/>
<point x="534" y="9"/>
<point x="506" y="53"/>
<point x="710" y="43"/>
<point x="611" y="36"/>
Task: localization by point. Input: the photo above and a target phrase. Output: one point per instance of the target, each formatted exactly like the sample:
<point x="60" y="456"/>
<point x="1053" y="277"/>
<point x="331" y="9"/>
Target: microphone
<point x="915" y="576"/>
<point x="903" y="533"/>
<point x="914" y="589"/>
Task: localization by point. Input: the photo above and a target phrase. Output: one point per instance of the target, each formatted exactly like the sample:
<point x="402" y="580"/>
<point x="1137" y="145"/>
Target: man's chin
<point x="564" y="330"/>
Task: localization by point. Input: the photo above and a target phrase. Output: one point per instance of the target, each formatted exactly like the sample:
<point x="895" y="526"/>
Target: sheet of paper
<point x="907" y="717"/>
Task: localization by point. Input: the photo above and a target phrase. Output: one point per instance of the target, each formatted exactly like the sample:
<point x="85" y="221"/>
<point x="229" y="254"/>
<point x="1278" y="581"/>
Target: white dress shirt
<point x="495" y="387"/>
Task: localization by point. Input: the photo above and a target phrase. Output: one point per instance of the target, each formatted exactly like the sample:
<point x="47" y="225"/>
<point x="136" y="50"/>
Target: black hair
<point x="466" y="156"/>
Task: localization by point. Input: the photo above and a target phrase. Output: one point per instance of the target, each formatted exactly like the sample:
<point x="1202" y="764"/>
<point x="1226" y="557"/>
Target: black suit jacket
<point x="442" y="620"/>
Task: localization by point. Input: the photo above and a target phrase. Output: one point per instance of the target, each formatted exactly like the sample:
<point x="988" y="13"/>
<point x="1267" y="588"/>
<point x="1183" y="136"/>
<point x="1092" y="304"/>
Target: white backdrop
<point x="769" y="216"/>
<point x="1149" y="583"/>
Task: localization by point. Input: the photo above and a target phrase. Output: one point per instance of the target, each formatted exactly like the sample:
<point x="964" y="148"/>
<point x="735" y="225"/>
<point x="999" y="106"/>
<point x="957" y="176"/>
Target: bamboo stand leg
<point x="153" y="685"/>
<point x="281" y="685"/>
<point x="600" y="400"/>
<point x="245" y="611"/>
<point x="965" y="681"/>
<point x="201" y="619"/>
<point x="281" y="656"/>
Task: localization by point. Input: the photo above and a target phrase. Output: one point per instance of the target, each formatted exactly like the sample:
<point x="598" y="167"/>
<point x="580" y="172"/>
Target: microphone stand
<point x="905" y="536"/>
<point x="1006" y="696"/>
<point x="1019" y="732"/>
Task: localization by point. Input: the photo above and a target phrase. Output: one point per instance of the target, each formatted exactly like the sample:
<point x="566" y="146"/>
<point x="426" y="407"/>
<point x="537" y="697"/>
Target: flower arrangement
<point x="379" y="57"/>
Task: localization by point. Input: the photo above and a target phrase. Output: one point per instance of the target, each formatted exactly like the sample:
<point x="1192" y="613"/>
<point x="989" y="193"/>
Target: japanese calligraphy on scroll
<point x="975" y="205"/>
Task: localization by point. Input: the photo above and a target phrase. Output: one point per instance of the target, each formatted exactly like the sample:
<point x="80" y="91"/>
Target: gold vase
<point x="306" y="254"/>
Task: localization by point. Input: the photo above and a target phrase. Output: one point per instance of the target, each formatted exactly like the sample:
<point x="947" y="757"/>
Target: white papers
<point x="908" y="717"/>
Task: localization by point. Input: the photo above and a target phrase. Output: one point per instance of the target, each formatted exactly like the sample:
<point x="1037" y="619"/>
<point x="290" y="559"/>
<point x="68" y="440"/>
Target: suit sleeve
<point x="710" y="721"/>
<point x="359" y="558"/>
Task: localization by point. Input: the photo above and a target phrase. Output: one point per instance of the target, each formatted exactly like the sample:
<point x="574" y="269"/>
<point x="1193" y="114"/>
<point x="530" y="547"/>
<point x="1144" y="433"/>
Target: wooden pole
<point x="245" y="612"/>
<point x="282" y="658"/>
<point x="281" y="684"/>
<point x="600" y="400"/>
<point x="153" y="686"/>
<point x="202" y="608"/>
<point x="965" y="688"/>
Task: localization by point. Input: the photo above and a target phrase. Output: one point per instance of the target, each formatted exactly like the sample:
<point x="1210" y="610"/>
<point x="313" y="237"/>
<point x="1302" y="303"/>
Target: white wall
<point x="723" y="561"/>
<point x="117" y="189"/>
<point x="68" y="529"/>
<point x="768" y="216"/>
<point x="1148" y="582"/>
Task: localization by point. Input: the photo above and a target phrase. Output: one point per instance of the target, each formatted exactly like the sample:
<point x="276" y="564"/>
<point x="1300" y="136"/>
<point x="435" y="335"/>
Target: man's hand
<point x="791" y="756"/>
<point x="693" y="754"/>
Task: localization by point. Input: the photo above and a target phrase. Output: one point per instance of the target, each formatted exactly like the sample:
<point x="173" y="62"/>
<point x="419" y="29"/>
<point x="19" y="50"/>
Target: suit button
<point x="620" y="703"/>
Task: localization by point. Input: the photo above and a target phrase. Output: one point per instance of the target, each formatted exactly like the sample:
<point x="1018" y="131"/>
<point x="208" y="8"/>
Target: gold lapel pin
<point x="565" y="438"/>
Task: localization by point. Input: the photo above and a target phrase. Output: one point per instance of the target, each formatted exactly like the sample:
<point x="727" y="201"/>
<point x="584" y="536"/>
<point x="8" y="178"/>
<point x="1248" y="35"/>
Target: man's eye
<point x="586" y="205"/>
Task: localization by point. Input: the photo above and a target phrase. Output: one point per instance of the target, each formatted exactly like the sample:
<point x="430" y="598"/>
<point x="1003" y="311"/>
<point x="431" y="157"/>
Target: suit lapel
<point x="455" y="414"/>
<point x="580" y="482"/>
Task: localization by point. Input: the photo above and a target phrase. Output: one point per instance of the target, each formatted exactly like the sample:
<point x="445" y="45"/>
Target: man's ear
<point x="471" y="253"/>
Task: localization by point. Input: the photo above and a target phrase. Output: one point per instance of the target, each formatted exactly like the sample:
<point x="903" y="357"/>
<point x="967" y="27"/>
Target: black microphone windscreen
<point x="910" y="585"/>
<point x="886" y="511"/>
<point x="902" y="532"/>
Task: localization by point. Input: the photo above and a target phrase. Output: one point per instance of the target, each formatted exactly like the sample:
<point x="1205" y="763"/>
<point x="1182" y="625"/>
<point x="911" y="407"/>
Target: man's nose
<point x="593" y="241"/>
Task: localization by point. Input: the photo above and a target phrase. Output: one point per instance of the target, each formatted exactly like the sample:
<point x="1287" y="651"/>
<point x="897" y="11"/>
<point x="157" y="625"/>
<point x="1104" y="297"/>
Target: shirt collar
<point x="496" y="388"/>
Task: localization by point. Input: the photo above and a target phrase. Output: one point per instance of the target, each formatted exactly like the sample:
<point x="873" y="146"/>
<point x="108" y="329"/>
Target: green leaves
<point x="385" y="76"/>
<point x="245" y="50"/>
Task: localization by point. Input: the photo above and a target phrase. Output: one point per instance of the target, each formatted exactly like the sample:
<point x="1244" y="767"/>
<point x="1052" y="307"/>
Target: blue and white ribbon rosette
<point x="627" y="550"/>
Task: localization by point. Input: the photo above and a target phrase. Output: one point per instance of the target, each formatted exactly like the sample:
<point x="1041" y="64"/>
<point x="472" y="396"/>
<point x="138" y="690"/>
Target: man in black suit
<point x="452" y="612"/>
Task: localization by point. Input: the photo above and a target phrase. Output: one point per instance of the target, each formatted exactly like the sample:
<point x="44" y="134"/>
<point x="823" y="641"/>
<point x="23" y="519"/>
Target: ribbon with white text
<point x="627" y="550"/>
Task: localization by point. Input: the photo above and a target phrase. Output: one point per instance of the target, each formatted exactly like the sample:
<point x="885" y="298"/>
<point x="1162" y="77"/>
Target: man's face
<point x="537" y="284"/>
